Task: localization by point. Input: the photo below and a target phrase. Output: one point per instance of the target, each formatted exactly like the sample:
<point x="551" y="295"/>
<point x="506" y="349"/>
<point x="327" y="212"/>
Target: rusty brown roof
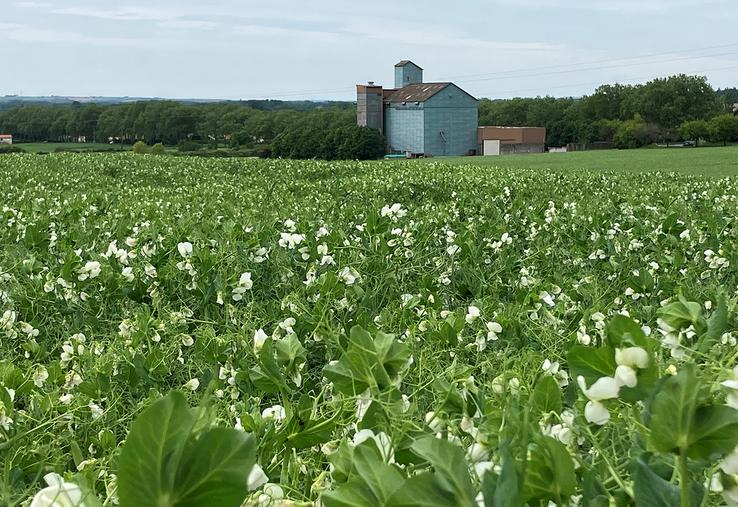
<point x="418" y="92"/>
<point x="402" y="63"/>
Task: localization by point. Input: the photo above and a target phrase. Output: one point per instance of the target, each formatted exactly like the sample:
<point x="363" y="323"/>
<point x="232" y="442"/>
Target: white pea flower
<point x="583" y="337"/>
<point x="604" y="388"/>
<point x="477" y="452"/>
<point x="244" y="284"/>
<point x="349" y="276"/>
<point x="626" y="376"/>
<point x="150" y="271"/>
<point x="286" y="325"/>
<point x="97" y="412"/>
<point x="90" y="270"/>
<point x="322" y="232"/>
<point x="394" y="212"/>
<point x="549" y="367"/>
<point x="553" y="369"/>
<point x="384" y="444"/>
<point x="58" y="494"/>
<point x="547" y="298"/>
<point x="467" y="426"/>
<point x="290" y="240"/>
<point x="362" y="404"/>
<point x="732" y="386"/>
<point x="128" y="274"/>
<point x="185" y="249"/>
<point x="29" y="330"/>
<point x="635" y="357"/>
<point x="493" y="331"/>
<point x="729" y="465"/>
<point x="434" y="421"/>
<point x="192" y="384"/>
<point x="260" y="337"/>
<point x="472" y="314"/>
<point x="8" y="320"/>
<point x="596" y="413"/>
<point x="272" y="495"/>
<point x="275" y="412"/>
<point x="40" y="376"/>
<point x="257" y="477"/>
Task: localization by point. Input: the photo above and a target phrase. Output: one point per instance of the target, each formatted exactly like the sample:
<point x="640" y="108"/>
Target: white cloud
<point x="30" y="34"/>
<point x="165" y="18"/>
<point x="35" y="5"/>
<point x="614" y="5"/>
<point x="188" y="24"/>
<point x="119" y="14"/>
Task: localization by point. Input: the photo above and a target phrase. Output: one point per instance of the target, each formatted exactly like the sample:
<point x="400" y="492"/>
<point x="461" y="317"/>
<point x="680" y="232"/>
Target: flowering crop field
<point x="225" y="332"/>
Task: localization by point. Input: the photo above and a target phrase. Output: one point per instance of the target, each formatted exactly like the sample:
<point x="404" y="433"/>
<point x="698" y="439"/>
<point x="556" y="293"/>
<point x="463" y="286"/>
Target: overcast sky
<point x="319" y="49"/>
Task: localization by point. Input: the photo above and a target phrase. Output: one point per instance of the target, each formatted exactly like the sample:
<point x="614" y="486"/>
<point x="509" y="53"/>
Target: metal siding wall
<point x="457" y="115"/>
<point x="408" y="74"/>
<point x="369" y="110"/>
<point x="404" y="129"/>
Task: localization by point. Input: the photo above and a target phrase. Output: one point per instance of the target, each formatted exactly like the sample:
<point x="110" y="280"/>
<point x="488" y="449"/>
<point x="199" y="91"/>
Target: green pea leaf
<point x="673" y="411"/>
<point x="590" y="362"/>
<point x="450" y="467"/>
<point x="163" y="463"/>
<point x="148" y="463"/>
<point x="550" y="472"/>
<point x="546" y="396"/>
<point x="715" y="432"/>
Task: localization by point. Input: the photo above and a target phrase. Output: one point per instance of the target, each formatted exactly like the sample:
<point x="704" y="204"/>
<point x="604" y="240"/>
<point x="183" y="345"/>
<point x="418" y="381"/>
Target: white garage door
<point x="491" y="147"/>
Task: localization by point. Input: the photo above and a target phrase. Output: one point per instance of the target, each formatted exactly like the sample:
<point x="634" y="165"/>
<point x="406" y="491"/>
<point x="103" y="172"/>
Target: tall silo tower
<point x="370" y="106"/>
<point x="407" y="73"/>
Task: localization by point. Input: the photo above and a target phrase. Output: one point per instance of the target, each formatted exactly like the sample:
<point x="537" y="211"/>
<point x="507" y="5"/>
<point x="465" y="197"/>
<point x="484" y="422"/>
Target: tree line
<point x="628" y="116"/>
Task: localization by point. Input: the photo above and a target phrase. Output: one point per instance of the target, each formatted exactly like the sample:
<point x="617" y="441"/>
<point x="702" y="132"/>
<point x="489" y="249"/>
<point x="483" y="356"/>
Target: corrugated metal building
<point x="432" y="119"/>
<point x="508" y="140"/>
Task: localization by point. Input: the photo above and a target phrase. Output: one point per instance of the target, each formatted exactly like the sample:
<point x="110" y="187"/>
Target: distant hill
<point x="10" y="101"/>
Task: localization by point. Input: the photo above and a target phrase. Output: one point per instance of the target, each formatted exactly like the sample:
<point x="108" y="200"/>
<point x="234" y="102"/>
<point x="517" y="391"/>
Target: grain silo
<point x="417" y="118"/>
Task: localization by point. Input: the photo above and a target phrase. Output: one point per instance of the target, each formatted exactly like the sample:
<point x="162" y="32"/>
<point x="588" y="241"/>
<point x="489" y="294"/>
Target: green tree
<point x="695" y="130"/>
<point x="724" y="129"/>
<point x="609" y="102"/>
<point x="671" y="101"/>
<point x="635" y="133"/>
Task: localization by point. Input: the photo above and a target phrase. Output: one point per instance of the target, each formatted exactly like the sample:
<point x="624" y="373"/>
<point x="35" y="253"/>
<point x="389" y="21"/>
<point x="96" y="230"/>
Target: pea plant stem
<point x="683" y="477"/>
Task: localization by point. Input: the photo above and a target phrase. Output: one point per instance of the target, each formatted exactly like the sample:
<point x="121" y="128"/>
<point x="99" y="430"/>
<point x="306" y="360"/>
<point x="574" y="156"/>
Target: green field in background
<point x="51" y="147"/>
<point x="722" y="161"/>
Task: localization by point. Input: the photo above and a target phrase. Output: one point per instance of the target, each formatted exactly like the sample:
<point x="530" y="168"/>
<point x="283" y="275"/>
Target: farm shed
<point x="433" y="119"/>
<point x="509" y="140"/>
<point x="6" y="139"/>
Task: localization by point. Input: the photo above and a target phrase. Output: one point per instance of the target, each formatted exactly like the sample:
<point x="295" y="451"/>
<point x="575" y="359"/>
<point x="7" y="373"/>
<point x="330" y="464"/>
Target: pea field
<point x="225" y="332"/>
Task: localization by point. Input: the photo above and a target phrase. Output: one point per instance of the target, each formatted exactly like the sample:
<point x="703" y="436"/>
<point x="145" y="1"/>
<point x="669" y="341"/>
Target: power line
<point x="537" y="70"/>
<point x="604" y="67"/>
<point x="596" y="62"/>
<point x="635" y="79"/>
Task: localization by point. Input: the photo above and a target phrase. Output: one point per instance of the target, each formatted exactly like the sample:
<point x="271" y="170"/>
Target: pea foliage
<point x="244" y="332"/>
